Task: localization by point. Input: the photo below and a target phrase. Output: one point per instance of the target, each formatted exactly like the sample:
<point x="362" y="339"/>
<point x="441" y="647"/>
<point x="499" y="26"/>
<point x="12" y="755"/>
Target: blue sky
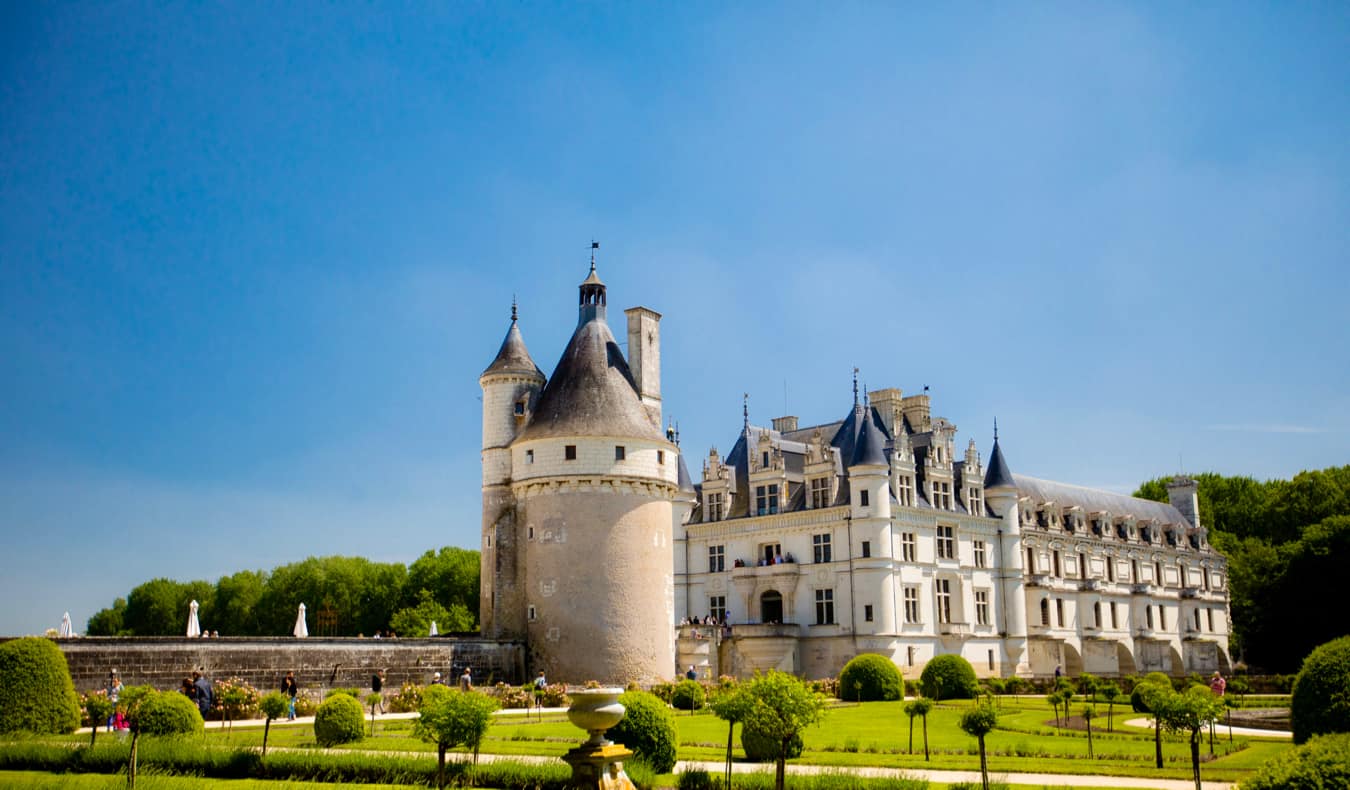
<point x="253" y="257"/>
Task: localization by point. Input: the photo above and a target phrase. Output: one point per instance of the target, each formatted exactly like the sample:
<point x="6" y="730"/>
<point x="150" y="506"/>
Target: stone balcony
<point x="961" y="630"/>
<point x="1038" y="580"/>
<point x="1190" y="592"/>
<point x="1088" y="585"/>
<point x="1141" y="588"/>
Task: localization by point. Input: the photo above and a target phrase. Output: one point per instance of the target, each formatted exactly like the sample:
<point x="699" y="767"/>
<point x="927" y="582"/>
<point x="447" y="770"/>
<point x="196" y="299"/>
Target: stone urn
<point x="595" y="710"/>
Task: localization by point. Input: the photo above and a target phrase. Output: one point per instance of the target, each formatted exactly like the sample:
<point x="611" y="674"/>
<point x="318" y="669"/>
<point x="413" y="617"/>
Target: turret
<point x="868" y="472"/>
<point x="1001" y="496"/>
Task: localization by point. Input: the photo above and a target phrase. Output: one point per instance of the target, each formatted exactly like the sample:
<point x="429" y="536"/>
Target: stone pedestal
<point x="599" y="767"/>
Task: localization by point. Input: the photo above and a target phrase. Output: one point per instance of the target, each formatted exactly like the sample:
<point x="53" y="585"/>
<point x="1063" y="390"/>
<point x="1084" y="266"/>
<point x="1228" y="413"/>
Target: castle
<point x="865" y="534"/>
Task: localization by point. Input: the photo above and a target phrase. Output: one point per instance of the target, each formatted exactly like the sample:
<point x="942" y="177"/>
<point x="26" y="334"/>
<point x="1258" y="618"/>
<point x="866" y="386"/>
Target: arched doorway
<point x="771" y="607"/>
<point x="1125" y="660"/>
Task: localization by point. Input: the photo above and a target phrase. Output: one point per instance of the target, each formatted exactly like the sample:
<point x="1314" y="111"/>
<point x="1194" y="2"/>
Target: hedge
<point x="1321" y="700"/>
<point x="340" y="720"/>
<point x="870" y="678"/>
<point x="648" y="728"/>
<point x="948" y="677"/>
<point x="36" y="693"/>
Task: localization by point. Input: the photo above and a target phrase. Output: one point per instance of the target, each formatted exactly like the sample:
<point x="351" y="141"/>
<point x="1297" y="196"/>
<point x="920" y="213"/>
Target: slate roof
<point x="870" y="447"/>
<point x="512" y="357"/>
<point x="686" y="482"/>
<point x="1091" y="499"/>
<point x="998" y="474"/>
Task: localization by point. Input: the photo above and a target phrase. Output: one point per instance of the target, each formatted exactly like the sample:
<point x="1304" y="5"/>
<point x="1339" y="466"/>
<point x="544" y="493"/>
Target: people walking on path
<point x="377" y="686"/>
<point x="289" y="688"/>
<point x="205" y="695"/>
<point x="114" y="691"/>
<point x="466" y="681"/>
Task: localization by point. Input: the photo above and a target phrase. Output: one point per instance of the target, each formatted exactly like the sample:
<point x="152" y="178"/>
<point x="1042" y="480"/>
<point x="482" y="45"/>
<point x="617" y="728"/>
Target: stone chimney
<point x="644" y="356"/>
<point x="784" y="424"/>
<point x="887" y="402"/>
<point x="1184" y="494"/>
<point x="916" y="410"/>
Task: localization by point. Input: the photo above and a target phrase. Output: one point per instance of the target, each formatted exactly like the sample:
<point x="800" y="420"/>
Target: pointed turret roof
<point x="998" y="475"/>
<point x="686" y="482"/>
<point x="870" y="448"/>
<point x="513" y="357"/>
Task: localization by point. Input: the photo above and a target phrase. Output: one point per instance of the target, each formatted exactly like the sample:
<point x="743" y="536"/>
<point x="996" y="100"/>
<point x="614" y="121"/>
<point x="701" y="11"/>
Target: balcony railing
<point x="1038" y="580"/>
<point x="1141" y="588"/>
<point x="1090" y="584"/>
<point x="954" y="629"/>
<point x="1190" y="592"/>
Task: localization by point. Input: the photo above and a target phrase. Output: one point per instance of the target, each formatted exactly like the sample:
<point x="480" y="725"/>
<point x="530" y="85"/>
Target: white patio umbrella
<point x="434" y="632"/>
<point x="66" y="630"/>
<point x="301" y="630"/>
<point x="194" y="628"/>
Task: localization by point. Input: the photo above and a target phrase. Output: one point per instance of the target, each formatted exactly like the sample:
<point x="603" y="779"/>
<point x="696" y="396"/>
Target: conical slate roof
<point x="512" y="357"/>
<point x="686" y="482"/>
<point x="998" y="475"/>
<point x="591" y="392"/>
<point x="870" y="449"/>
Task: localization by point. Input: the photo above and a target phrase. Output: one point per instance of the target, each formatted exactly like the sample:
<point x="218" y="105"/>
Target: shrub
<point x="36" y="693"/>
<point x="1324" y="761"/>
<point x="354" y="693"/>
<point x="648" y="728"/>
<point x="870" y="678"/>
<point x="237" y="699"/>
<point x="697" y="779"/>
<point x="948" y="677"/>
<point x="688" y="695"/>
<point x="407" y="700"/>
<point x="305" y="704"/>
<point x="1321" y="699"/>
<point x="663" y="691"/>
<point x="555" y="696"/>
<point x="169" y="713"/>
<point x="762" y="748"/>
<point x="513" y="697"/>
<point x="339" y="720"/>
<point x="1137" y="694"/>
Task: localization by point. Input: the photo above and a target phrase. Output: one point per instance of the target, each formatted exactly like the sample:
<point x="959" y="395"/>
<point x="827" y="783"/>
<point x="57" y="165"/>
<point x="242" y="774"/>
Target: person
<point x="1058" y="674"/>
<point x="540" y="683"/>
<point x="119" y="721"/>
<point x="436" y="679"/>
<point x="204" y="693"/>
<point x="1217" y="684"/>
<point x="114" y="691"/>
<point x="691" y="674"/>
<point x="289" y="688"/>
<point x="466" y="681"/>
<point x="188" y="690"/>
<point x="377" y="685"/>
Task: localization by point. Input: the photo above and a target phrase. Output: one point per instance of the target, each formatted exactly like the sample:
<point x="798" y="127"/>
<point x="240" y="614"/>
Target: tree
<point x="1189" y="712"/>
<point x="1053" y="698"/>
<point x="980" y="721"/>
<point x="235" y="610"/>
<point x="1089" y="713"/>
<point x="452" y="576"/>
<point x="108" y="622"/>
<point x="274" y="705"/>
<point x="783" y="707"/>
<point x="1321" y="700"/>
<point x="448" y="717"/>
<point x="919" y="707"/>
<point x="1109" y="692"/>
<point x="1155" y="697"/>
<point x="871" y="677"/>
<point x="732" y="708"/>
<point x="99" y="708"/>
<point x="159" y="607"/>
<point x="417" y="620"/>
<point x="948" y="677"/>
<point x="36" y="692"/>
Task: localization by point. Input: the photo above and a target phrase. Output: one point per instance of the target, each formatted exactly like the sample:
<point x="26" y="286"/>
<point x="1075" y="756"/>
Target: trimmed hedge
<point x="1321" y="700"/>
<point x="871" y="678"/>
<point x="688" y="695"/>
<point x="761" y="748"/>
<point x="1322" y="762"/>
<point x="169" y="713"/>
<point x="36" y="693"/>
<point x="648" y="728"/>
<point x="1137" y="703"/>
<point x="340" y="720"/>
<point x="948" y="677"/>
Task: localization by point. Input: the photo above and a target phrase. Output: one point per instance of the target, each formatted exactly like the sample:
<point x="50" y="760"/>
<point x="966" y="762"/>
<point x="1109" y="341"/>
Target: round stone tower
<point x="1000" y="492"/>
<point x="593" y="479"/>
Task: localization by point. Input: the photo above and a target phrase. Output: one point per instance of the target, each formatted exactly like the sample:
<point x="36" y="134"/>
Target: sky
<point x="253" y="257"/>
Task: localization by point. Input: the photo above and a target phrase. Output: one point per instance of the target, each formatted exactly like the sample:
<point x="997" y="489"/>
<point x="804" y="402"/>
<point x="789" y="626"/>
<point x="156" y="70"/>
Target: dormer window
<point x="765" y="464"/>
<point x="766" y="499"/>
<point x="820" y="492"/>
<point x="714" y="505"/>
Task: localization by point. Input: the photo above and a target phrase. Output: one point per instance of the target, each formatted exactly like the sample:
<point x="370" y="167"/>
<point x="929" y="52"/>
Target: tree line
<point x="1287" y="542"/>
<point x="344" y="596"/>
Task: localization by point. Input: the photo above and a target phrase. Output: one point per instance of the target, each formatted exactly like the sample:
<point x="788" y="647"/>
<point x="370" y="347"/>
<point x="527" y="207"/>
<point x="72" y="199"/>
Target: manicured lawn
<point x="149" y="781"/>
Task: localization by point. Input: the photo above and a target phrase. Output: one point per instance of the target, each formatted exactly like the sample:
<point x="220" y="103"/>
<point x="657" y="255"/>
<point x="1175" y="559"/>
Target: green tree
<point x="919" y="707"/>
<point x="274" y="705"/>
<point x="980" y="721"/>
<point x="783" y="707"/>
<point x="236" y="603"/>
<point x="109" y="621"/>
<point x="449" y="717"/>
<point x="948" y="676"/>
<point x="1155" y="697"/>
<point x="1089" y="713"/>
<point x="36" y="692"/>
<point x="1321" y="700"/>
<point x="452" y="576"/>
<point x="99" y="708"/>
<point x="871" y="677"/>
<point x="159" y="607"/>
<point x="364" y="594"/>
<point x="732" y="707"/>
<point x="417" y="620"/>
<point x="1188" y="712"/>
<point x="1109" y="692"/>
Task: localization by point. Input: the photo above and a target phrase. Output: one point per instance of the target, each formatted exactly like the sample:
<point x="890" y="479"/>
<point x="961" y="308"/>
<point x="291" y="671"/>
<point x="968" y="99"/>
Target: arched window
<point x="1045" y="611"/>
<point x="771" y="607"/>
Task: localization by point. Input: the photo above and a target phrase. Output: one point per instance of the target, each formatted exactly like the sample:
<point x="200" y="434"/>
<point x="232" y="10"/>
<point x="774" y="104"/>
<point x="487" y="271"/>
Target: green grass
<point x="151" y="781"/>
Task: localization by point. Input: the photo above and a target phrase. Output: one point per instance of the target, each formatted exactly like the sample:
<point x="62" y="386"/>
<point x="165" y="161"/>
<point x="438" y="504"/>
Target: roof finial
<point x="677" y="433"/>
<point x="595" y="245"/>
<point x="745" y="409"/>
<point x="855" y="386"/>
<point x="513" y="308"/>
<point x="867" y="400"/>
<point x="996" y="429"/>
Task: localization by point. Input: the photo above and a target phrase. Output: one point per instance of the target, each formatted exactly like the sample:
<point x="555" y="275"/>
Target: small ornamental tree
<point x="919" y="707"/>
<point x="1154" y="697"/>
<point x="273" y="706"/>
<point x="869" y="678"/>
<point x="980" y="721"/>
<point x="449" y="717"/>
<point x="169" y="713"/>
<point x="732" y="706"/>
<point x="948" y="677"/>
<point x="36" y="692"/>
<point x="783" y="707"/>
<point x="1053" y="699"/>
<point x="648" y="728"/>
<point x="373" y="700"/>
<point x="1109" y="692"/>
<point x="1188" y="712"/>
<point x="1088" y="684"/>
<point x="99" y="708"/>
<point x="339" y="720"/>
<point x="688" y="695"/>
<point x="1321" y="699"/>
<point x="1089" y="713"/>
<point x="1137" y="701"/>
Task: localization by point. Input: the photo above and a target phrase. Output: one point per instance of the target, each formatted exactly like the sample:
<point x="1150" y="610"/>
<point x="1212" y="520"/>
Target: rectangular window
<point x="862" y="499"/>
<point x="866" y="549"/>
<point x="766" y="499"/>
<point x="979" y="554"/>
<point x="1134" y="571"/>
<point x="867" y="612"/>
<point x="824" y="607"/>
<point x="945" y="496"/>
<point x="717" y="559"/>
<point x="1209" y="617"/>
<point x="905" y="492"/>
<point x="531" y="613"/>
<point x="529" y="533"/>
<point x="1054" y="563"/>
<point x="911" y="604"/>
<point x="974" y="502"/>
<point x="661" y="457"/>
<point x="1197" y="619"/>
<point x="715" y="507"/>
<point x="773" y="554"/>
<point x="1157" y="575"/>
<point x="820" y="545"/>
<point x="820" y="492"/>
<point x="1110" y="569"/>
<point x="1115" y="623"/>
<point x="1059" y="612"/>
<point x="1031" y="560"/>
<point x="766" y="460"/>
<point x="944" y="600"/>
<point x="717" y="607"/>
<point x="619" y="452"/>
<point x="570" y="452"/>
<point x="1097" y="614"/>
<point x="520" y="408"/>
<point x="909" y="548"/>
<point x="1162" y="617"/>
<point x="946" y="543"/>
<point x="982" y="607"/>
<point x="1082" y="566"/>
<point x="529" y="456"/>
<point x="1148" y="617"/>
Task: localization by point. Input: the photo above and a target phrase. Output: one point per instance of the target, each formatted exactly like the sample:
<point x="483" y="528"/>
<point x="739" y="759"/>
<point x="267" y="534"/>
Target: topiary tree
<point x="1089" y="713"/>
<point x="1321" y="699"/>
<point x="99" y="708"/>
<point x="1137" y="701"/>
<point x="1109" y="692"/>
<point x="732" y="706"/>
<point x="648" y="728"/>
<point x="761" y="748"/>
<point x="339" y="720"/>
<point x="980" y="721"/>
<point x="870" y="678"/>
<point x="948" y="677"/>
<point x="1188" y="712"/>
<point x="919" y="707"/>
<point x="783" y="707"/>
<point x="273" y="706"/>
<point x="688" y="695"/>
<point x="36" y="693"/>
<point x="448" y="717"/>
<point x="1323" y="761"/>
<point x="169" y="713"/>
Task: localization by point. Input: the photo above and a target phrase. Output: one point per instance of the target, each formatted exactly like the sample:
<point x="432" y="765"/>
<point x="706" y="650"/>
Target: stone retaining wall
<point x="318" y="663"/>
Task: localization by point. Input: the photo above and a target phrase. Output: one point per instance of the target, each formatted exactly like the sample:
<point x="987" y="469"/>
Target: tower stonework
<point x="577" y="505"/>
